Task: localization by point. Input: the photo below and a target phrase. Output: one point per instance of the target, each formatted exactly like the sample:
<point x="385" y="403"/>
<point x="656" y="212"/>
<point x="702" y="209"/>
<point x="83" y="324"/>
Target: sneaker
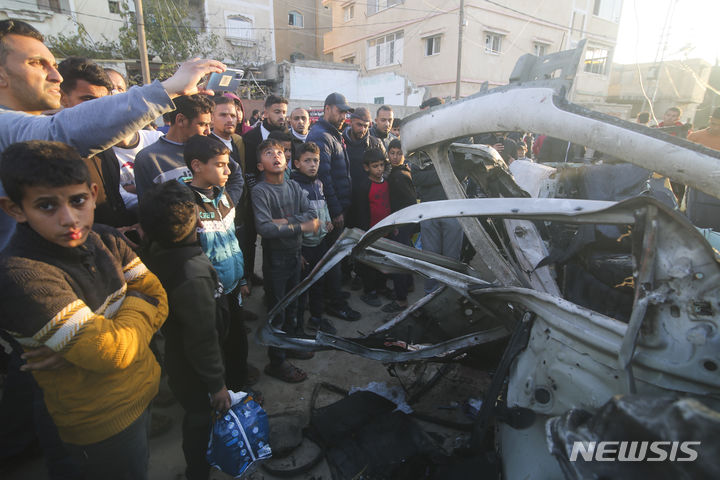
<point x="371" y="299"/>
<point x="314" y="324"/>
<point x="343" y="312"/>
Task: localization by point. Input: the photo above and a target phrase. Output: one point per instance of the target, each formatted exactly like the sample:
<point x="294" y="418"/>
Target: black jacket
<point x="356" y="150"/>
<point x="198" y="320"/>
<point x="251" y="139"/>
<point x="402" y="189"/>
<point x="334" y="171"/>
<point x="110" y="206"/>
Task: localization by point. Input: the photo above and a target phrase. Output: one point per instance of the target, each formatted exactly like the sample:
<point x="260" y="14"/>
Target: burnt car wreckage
<point x="611" y="330"/>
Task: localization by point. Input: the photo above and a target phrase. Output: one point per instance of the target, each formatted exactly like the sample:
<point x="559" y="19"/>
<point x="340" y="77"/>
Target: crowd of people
<point x="114" y="231"/>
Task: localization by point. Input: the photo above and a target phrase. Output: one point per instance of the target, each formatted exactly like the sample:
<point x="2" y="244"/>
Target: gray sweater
<point x="164" y="160"/>
<point x="286" y="200"/>
<point x="157" y="163"/>
<point x="90" y="127"/>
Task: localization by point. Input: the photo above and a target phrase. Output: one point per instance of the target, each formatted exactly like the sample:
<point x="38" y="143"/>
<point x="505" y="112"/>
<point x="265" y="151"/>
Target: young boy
<point x="198" y="321"/>
<point x="208" y="159"/>
<point x="285" y="138"/>
<point x="282" y="215"/>
<point x="84" y="306"/>
<point x="314" y="245"/>
<point x="372" y="203"/>
<point x="402" y="194"/>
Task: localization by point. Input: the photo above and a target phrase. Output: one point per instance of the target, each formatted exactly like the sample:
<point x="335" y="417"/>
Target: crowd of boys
<point x="116" y="232"/>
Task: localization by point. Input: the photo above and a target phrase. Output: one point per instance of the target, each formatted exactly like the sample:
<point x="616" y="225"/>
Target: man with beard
<point x="334" y="172"/>
<point x="357" y="141"/>
<point x="299" y="126"/>
<point x="383" y="124"/>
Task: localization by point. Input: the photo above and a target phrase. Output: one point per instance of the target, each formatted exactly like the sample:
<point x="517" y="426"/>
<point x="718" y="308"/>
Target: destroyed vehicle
<point x="603" y="290"/>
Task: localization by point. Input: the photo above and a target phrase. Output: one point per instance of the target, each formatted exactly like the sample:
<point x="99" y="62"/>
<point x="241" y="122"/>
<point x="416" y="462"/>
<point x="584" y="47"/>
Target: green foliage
<point x="80" y="45"/>
<point x="168" y="34"/>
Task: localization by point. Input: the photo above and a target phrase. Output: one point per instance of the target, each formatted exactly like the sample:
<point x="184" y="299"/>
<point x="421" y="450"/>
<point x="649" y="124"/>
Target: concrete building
<point x="311" y="82"/>
<point x="299" y="29"/>
<point x="676" y="83"/>
<point x="420" y="40"/>
<point x="101" y="20"/>
<point x="245" y="27"/>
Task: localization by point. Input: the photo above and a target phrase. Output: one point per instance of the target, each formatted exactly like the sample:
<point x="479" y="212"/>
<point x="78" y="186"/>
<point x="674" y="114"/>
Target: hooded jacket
<point x="198" y="320"/>
<point x="313" y="187"/>
<point x="216" y="232"/>
<point x="334" y="171"/>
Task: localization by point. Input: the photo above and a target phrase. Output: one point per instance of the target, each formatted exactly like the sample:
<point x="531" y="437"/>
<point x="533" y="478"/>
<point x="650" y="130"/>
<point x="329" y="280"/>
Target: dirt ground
<point x="334" y="367"/>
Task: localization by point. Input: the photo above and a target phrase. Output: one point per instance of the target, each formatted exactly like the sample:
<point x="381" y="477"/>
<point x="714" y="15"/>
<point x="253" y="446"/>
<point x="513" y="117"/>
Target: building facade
<point x="299" y="29"/>
<point x="100" y="20"/>
<point x="245" y="28"/>
<point x="676" y="83"/>
<point x="420" y="40"/>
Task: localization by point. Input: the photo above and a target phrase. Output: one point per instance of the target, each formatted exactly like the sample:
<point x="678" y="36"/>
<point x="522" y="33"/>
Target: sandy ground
<point x="338" y="368"/>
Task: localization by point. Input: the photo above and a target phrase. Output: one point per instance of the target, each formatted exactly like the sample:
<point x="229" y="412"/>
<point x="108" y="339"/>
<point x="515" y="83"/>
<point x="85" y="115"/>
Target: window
<point x="608" y="9"/>
<point x="597" y="60"/>
<point x="375" y="6"/>
<point x="540" y="49"/>
<point x="240" y="28"/>
<point x="493" y="43"/>
<point x="432" y="45"/>
<point x="57" y="6"/>
<point x="350" y="60"/>
<point x="385" y="50"/>
<point x="295" y="19"/>
<point x="349" y="13"/>
<point x="379" y="100"/>
<point x="114" y="6"/>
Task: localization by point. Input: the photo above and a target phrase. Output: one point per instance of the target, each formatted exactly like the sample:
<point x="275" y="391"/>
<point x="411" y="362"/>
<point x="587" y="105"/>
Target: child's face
<point x="375" y="170"/>
<point x="61" y="215"/>
<point x="213" y="173"/>
<point x="287" y="149"/>
<point x="308" y="164"/>
<point x="396" y="157"/>
<point x="272" y="160"/>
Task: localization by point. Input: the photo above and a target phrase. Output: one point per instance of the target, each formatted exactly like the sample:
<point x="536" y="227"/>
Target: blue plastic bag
<point x="239" y="437"/>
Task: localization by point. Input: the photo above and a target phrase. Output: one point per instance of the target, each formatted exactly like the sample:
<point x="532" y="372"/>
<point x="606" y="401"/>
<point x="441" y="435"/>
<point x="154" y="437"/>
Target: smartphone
<point x="228" y="81"/>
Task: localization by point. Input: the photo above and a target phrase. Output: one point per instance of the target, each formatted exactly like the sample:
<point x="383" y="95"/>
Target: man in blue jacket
<point x="334" y="173"/>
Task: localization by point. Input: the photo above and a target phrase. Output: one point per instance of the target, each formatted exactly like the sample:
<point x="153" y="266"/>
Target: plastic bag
<point x="239" y="437"/>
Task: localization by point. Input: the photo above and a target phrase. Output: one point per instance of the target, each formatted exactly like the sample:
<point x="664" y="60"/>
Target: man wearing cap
<point x="334" y="172"/>
<point x="357" y="141"/>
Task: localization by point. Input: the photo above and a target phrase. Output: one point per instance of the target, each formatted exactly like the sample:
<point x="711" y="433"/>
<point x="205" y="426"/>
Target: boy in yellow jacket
<point x="76" y="296"/>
